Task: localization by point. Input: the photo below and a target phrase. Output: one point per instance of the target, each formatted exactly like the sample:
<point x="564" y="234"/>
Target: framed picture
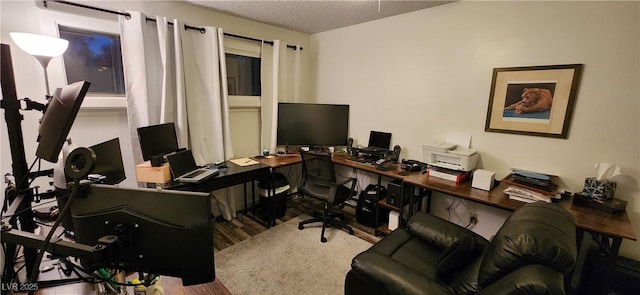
<point x="533" y="100"/>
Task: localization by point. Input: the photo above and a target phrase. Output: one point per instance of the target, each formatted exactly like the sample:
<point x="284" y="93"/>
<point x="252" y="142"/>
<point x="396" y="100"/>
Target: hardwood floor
<point x="229" y="233"/>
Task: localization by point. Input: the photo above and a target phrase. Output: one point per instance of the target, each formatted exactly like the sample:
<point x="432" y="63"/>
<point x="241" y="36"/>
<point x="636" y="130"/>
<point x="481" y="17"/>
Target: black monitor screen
<point x="313" y="124"/>
<point x="109" y="161"/>
<point x="160" y="232"/>
<point x="380" y="139"/>
<point x="58" y="119"/>
<point x="157" y="140"/>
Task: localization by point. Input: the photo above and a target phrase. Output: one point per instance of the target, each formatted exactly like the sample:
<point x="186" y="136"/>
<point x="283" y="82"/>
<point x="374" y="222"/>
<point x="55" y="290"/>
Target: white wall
<point x="425" y="74"/>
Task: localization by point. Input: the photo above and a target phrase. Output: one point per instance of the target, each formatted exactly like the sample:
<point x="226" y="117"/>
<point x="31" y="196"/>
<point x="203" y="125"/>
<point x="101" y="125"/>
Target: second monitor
<point x="310" y="124"/>
<point x="157" y="140"/>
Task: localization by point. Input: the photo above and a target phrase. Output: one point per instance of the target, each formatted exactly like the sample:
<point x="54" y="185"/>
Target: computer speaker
<point x="395" y="154"/>
<point x="157" y="161"/>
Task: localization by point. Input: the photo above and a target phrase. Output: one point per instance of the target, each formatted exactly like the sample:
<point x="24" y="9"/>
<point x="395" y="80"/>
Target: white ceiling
<point x="309" y="16"/>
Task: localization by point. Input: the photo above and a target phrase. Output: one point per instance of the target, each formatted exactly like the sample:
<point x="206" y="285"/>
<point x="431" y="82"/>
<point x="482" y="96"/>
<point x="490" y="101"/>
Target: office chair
<point x="319" y="181"/>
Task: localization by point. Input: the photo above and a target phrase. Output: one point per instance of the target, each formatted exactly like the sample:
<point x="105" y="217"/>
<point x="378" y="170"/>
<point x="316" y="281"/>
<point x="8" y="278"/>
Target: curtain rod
<point x="202" y="30"/>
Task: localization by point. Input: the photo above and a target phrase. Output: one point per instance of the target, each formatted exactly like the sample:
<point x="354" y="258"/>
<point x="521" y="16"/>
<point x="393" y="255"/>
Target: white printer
<point x="450" y="156"/>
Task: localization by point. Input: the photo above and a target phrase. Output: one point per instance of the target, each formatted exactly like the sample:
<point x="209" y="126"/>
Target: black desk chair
<point x="319" y="181"/>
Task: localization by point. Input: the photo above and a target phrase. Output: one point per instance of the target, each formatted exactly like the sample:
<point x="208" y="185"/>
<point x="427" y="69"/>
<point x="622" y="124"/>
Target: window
<point x="243" y="75"/>
<point x="94" y="57"/>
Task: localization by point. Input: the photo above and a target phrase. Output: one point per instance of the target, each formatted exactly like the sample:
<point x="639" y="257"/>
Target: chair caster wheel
<point x="323" y="239"/>
<point x="351" y="233"/>
<point x="300" y="227"/>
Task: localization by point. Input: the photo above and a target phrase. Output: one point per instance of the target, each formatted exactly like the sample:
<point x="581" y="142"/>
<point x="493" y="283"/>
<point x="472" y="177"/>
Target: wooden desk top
<point x="587" y="218"/>
<point x="280" y="160"/>
<point x="341" y="159"/>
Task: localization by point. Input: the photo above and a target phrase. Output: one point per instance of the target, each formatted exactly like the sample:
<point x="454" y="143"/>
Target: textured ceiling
<point x="315" y="16"/>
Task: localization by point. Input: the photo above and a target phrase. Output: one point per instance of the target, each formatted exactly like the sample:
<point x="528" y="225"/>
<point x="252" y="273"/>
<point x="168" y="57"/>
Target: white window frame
<point x="243" y="48"/>
<point x="104" y="23"/>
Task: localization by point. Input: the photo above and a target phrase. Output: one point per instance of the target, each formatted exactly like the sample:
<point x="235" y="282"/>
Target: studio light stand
<point x="18" y="199"/>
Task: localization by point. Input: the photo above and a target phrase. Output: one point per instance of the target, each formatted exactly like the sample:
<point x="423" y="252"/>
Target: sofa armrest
<point x="386" y="276"/>
<point x="438" y="232"/>
<point x="529" y="279"/>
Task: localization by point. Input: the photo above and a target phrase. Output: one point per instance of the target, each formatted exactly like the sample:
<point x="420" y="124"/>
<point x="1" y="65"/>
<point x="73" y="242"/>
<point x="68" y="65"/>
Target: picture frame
<point x="534" y="100"/>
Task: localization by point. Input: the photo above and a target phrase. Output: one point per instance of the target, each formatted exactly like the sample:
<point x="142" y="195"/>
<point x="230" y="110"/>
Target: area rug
<point x="285" y="260"/>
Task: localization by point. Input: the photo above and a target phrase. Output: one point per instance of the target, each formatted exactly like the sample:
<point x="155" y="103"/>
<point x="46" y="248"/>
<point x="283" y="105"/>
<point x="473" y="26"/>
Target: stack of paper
<point x="527" y="186"/>
<point x="448" y="174"/>
<point x="244" y="162"/>
<point x="526" y="195"/>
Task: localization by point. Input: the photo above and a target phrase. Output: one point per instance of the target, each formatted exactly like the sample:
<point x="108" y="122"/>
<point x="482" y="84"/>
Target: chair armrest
<point x="346" y="181"/>
<point x="334" y="187"/>
<point x="438" y="232"/>
<point x="529" y="279"/>
<point x="388" y="276"/>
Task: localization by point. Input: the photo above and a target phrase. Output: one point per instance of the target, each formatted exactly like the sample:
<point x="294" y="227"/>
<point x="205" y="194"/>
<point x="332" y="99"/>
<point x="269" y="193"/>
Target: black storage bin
<point x="276" y="205"/>
<point x="366" y="207"/>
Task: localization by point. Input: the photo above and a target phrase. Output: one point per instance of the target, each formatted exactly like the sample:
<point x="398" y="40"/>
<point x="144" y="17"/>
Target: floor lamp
<point x="43" y="48"/>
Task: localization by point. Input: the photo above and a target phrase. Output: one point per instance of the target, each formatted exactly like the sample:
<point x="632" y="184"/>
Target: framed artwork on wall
<point x="536" y="100"/>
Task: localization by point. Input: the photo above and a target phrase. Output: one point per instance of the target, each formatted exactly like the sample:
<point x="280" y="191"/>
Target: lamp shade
<point x="43" y="48"/>
<point x="40" y="45"/>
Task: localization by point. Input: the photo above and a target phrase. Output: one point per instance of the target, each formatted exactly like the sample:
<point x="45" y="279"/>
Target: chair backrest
<point x="538" y="233"/>
<point x="317" y="168"/>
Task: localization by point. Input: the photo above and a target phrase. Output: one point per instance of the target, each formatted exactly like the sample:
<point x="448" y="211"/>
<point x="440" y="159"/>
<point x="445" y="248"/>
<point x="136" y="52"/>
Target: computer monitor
<point x="157" y="140"/>
<point x="108" y="162"/>
<point x="313" y="124"/>
<point x="58" y="118"/>
<point x="380" y="139"/>
<point x="160" y="232"/>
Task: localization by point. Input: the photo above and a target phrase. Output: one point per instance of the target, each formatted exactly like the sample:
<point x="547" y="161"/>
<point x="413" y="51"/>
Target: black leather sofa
<point x="530" y="254"/>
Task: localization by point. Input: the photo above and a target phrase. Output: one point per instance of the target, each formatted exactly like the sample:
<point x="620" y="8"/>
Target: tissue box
<point x="613" y="206"/>
<point x="147" y="173"/>
<point x="599" y="189"/>
<point x="483" y="179"/>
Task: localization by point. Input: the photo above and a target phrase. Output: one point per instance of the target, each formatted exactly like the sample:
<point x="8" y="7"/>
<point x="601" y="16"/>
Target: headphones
<point x="412" y="165"/>
<point x="394" y="155"/>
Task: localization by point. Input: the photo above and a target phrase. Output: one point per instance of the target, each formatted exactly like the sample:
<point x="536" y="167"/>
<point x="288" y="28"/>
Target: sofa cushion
<point x="404" y="248"/>
<point x="456" y="256"/>
<point x="377" y="274"/>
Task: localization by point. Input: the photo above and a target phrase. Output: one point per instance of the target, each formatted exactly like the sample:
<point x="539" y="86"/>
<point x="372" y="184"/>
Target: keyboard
<point x="386" y="167"/>
<point x="194" y="173"/>
<point x="360" y="161"/>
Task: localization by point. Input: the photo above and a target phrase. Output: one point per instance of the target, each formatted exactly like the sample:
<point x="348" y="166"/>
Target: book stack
<point x="527" y="186"/>
<point x="448" y="174"/>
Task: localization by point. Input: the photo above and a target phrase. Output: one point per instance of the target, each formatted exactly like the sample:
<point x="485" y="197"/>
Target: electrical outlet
<point x="473" y="219"/>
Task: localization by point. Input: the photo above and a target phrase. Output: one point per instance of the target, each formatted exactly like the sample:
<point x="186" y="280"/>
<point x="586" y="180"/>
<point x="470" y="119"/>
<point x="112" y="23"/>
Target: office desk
<point x="342" y="159"/>
<point x="230" y="176"/>
<point x="233" y="175"/>
<point x="607" y="230"/>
